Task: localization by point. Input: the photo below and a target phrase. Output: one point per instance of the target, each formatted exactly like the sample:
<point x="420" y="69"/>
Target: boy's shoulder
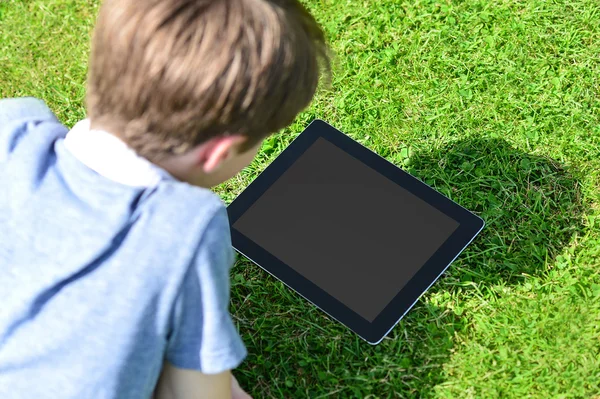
<point x="20" y="116"/>
<point x="184" y="209"/>
<point x="16" y="109"/>
<point x="171" y="209"/>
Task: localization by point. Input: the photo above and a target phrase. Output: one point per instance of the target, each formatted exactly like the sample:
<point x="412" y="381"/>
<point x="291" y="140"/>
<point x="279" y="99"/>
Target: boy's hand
<point x="236" y="391"/>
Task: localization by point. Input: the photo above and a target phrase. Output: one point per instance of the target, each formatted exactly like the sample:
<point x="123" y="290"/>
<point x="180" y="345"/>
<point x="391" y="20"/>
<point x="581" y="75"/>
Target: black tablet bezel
<point x="373" y="332"/>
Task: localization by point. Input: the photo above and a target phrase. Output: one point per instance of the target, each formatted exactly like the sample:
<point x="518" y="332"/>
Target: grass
<point x="496" y="104"/>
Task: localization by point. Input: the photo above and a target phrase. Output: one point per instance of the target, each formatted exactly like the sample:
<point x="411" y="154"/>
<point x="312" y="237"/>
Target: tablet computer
<point x="349" y="231"/>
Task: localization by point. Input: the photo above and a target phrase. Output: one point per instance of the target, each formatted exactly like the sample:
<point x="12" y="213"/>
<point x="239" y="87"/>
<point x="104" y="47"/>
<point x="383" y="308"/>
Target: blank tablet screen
<point x="351" y="231"/>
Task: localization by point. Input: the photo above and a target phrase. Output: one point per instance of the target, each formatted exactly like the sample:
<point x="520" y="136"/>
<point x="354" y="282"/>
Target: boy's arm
<point x="203" y="343"/>
<point x="176" y="383"/>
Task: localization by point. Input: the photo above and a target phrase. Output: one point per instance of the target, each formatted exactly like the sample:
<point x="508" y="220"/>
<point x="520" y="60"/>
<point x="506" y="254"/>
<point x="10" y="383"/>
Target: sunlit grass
<point x="495" y="104"/>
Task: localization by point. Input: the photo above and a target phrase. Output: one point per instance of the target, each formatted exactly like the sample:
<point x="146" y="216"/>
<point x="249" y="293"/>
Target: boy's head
<point x="196" y="85"/>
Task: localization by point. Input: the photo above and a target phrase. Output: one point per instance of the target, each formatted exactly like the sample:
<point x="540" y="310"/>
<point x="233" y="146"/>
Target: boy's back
<point x="114" y="267"/>
<point x="97" y="274"/>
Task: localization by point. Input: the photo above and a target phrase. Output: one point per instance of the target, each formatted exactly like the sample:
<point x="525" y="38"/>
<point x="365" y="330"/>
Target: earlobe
<point x="218" y="150"/>
<point x="214" y="158"/>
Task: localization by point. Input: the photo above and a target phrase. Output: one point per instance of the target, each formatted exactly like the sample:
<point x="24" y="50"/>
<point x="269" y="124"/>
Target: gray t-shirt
<point x="100" y="282"/>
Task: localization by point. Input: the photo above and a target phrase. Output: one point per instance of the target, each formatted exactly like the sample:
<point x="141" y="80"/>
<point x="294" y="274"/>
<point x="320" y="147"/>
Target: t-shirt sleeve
<point x="203" y="335"/>
<point x="24" y="108"/>
<point x="16" y="116"/>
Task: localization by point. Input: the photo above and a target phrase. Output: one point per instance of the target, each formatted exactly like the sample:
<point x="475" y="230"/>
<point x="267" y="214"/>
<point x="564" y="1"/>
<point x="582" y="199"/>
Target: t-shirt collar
<point x="110" y="157"/>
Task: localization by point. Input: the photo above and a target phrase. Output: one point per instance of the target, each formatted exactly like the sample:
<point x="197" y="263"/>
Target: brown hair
<point x="167" y="75"/>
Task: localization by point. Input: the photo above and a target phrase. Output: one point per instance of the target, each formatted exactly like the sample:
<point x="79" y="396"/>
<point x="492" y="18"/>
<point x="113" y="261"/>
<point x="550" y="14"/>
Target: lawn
<point x="496" y="105"/>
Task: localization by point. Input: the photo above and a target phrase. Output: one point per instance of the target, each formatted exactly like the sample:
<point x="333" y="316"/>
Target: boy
<point x="114" y="255"/>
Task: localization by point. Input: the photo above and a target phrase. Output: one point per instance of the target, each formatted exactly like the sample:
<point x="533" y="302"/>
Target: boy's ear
<point x="215" y="151"/>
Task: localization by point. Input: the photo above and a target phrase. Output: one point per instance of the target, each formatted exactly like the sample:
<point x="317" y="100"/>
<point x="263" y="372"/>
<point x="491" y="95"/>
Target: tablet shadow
<point x="531" y="204"/>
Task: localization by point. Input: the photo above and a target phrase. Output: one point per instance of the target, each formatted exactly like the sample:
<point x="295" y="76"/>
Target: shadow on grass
<point x="532" y="205"/>
<point x="532" y="208"/>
